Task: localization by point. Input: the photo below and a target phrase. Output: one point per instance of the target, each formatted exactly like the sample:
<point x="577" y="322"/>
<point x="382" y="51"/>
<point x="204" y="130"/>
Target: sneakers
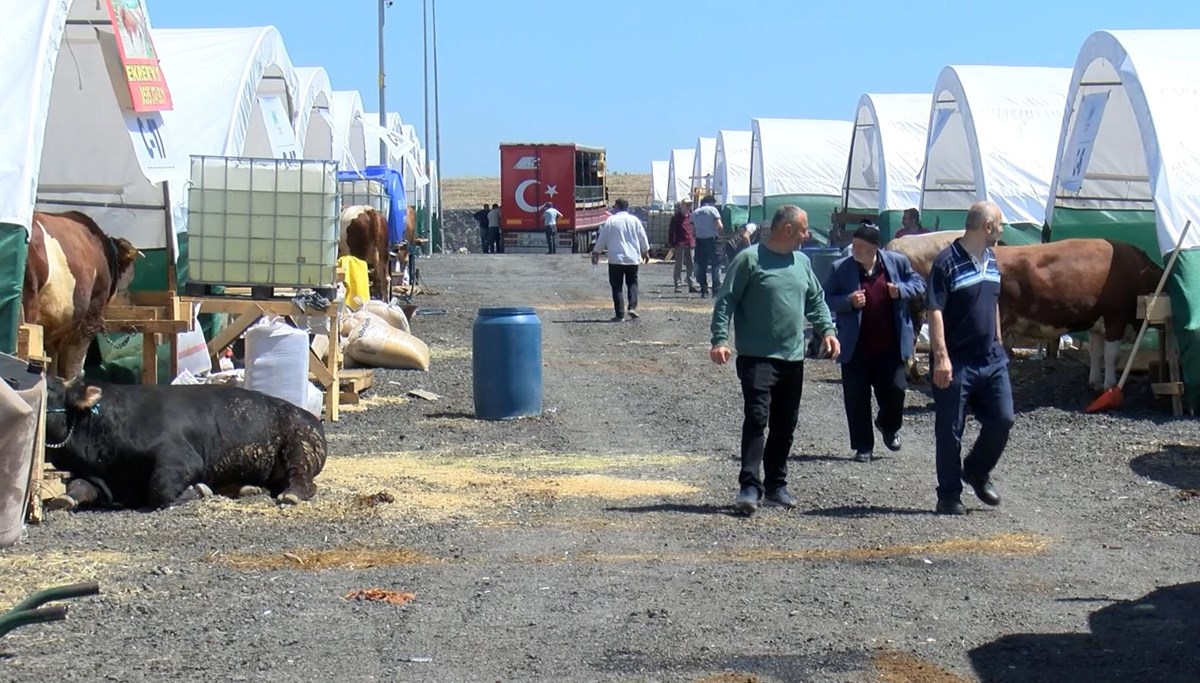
<point x="747" y="500"/>
<point x="633" y="314"/>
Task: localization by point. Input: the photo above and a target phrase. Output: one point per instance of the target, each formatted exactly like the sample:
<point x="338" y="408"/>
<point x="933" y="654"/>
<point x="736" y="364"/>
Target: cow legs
<point x="172" y="484"/>
<point x="1096" y="356"/>
<point x="71" y="355"/>
<point x="303" y="458"/>
<point x="1112" y="349"/>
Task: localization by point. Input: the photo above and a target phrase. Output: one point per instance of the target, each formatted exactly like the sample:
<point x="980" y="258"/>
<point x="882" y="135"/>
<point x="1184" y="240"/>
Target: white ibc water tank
<point x="277" y="361"/>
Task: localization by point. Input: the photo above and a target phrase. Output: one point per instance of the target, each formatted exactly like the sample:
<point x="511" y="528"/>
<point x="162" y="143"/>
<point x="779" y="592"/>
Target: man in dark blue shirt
<point x="970" y="367"/>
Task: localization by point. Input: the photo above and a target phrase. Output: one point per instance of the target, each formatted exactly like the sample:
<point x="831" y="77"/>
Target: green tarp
<point x="819" y="208"/>
<point x="1015" y="234"/>
<point x="1184" y="284"/>
<point x="734" y="216"/>
<point x="12" y="278"/>
<point x="1138" y="228"/>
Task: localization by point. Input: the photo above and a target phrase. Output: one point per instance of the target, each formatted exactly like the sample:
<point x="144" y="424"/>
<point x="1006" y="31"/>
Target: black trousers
<point x="551" y="241"/>
<point x="883" y="372"/>
<point x="771" y="390"/>
<point x="623" y="275"/>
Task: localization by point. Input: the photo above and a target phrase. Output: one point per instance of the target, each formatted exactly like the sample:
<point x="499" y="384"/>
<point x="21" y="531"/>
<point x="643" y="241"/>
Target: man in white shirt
<point x="550" y="216"/>
<point x="624" y="238"/>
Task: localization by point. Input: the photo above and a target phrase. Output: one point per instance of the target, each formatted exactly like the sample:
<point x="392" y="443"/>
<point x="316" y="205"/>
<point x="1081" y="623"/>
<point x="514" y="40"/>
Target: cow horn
<point x="71" y="382"/>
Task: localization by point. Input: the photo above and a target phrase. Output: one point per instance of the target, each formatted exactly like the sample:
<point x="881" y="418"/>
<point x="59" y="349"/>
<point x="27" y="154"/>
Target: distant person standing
<point x="970" y="367"/>
<point x="682" y="240"/>
<point x="869" y="292"/>
<point x="770" y="290"/>
<point x="485" y="240"/>
<point x="911" y="224"/>
<point x="624" y="238"/>
<point x="707" y="223"/>
<point x="735" y="243"/>
<point x="494" y="234"/>
<point x="550" y="216"/>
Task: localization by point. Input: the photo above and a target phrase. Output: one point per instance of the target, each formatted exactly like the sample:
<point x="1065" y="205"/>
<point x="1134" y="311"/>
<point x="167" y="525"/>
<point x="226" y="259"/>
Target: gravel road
<point x="595" y="543"/>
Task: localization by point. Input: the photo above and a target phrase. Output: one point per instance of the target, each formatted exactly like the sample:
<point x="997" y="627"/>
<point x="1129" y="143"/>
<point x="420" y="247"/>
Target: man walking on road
<point x="682" y="240"/>
<point x="869" y="292"/>
<point x="706" y="221"/>
<point x="624" y="238"/>
<point x="550" y="216"/>
<point x="770" y="290"/>
<point x="970" y="367"/>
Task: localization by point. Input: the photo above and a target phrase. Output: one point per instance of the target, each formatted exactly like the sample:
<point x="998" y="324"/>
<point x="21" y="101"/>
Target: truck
<point x="534" y="175"/>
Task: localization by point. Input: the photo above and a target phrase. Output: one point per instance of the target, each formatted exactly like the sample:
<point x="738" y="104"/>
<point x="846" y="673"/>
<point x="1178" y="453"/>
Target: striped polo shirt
<point x="967" y="291"/>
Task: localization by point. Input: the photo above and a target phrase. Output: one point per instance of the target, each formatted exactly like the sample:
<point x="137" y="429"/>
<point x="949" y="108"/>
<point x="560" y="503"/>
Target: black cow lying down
<point x="155" y="446"/>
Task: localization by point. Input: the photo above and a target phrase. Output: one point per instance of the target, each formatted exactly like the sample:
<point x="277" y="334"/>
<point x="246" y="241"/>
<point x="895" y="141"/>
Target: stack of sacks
<point x="378" y="336"/>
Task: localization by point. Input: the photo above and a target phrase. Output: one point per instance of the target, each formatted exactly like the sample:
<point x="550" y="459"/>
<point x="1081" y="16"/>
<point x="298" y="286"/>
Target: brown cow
<point x="73" y="270"/>
<point x="364" y="235"/>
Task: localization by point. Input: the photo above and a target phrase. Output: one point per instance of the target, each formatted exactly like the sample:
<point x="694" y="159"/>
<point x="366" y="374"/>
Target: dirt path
<point x="594" y="543"/>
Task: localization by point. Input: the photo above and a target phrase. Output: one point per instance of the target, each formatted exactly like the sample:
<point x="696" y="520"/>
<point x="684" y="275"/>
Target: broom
<point x="1112" y="397"/>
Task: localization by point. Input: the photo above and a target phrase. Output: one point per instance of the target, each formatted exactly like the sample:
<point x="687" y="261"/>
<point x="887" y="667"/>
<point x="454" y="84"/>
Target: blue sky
<point x="642" y="76"/>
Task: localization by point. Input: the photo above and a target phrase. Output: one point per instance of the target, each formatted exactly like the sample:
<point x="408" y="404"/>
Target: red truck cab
<point x="534" y="175"/>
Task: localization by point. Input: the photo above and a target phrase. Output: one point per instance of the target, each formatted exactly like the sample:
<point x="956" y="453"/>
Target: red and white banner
<point x="531" y="178"/>
<point x="147" y="85"/>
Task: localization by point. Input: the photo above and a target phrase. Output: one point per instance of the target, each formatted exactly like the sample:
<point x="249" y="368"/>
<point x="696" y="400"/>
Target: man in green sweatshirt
<point x="770" y="289"/>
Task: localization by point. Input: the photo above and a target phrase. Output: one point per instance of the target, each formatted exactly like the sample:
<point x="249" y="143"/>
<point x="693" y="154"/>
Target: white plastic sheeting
<point x="31" y="34"/>
<point x="679" y="181"/>
<point x="660" y="174"/>
<point x="890" y="132"/>
<point x="798" y="156"/>
<point x="1138" y="146"/>
<point x="414" y="165"/>
<point x="702" y="163"/>
<point x="731" y="167"/>
<point x="349" y="133"/>
<point x="992" y="135"/>
<point x="314" y="118"/>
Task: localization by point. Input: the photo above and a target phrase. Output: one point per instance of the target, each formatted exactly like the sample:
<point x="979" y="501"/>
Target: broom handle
<point x="1153" y="300"/>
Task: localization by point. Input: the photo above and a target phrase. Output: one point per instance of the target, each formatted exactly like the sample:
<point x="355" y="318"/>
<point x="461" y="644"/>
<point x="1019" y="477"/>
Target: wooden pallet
<point x="159" y="317"/>
<point x="1160" y="317"/>
<point x="254" y="293"/>
<point x="354" y="383"/>
<point x="31" y="343"/>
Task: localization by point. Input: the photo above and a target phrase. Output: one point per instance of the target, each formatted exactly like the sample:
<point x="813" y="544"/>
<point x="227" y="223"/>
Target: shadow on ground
<point x="1175" y="465"/>
<point x="1150" y="639"/>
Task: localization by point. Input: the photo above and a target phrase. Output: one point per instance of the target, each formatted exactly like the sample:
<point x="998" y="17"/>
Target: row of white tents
<point x="1110" y="148"/>
<point x="70" y="140"/>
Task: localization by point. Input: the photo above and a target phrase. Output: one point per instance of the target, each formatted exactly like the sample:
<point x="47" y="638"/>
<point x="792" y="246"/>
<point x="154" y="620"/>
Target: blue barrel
<point x="506" y="360"/>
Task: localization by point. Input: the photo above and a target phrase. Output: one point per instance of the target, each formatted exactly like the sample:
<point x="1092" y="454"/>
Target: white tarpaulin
<point x="889" y="147"/>
<point x="702" y="163"/>
<point x="731" y="167"/>
<point x="1142" y="91"/>
<point x="314" y="123"/>
<point x="989" y="131"/>
<point x="414" y="165"/>
<point x="280" y="134"/>
<point x="798" y="157"/>
<point x="660" y="174"/>
<point x="401" y="148"/>
<point x="679" y="181"/>
<point x="31" y="34"/>
<point x="217" y="76"/>
<point x="349" y="135"/>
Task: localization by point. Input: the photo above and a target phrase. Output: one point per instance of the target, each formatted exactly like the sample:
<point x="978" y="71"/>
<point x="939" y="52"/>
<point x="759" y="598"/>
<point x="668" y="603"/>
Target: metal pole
<point x="428" y="168"/>
<point x="437" y="119"/>
<point x="383" y="151"/>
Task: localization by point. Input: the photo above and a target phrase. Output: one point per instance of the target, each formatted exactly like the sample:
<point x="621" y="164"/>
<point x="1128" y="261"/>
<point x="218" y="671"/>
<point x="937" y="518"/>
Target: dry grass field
<point x="470" y="193"/>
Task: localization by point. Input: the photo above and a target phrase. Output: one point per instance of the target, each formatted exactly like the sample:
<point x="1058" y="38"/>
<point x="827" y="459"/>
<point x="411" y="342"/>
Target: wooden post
<point x="33" y="492"/>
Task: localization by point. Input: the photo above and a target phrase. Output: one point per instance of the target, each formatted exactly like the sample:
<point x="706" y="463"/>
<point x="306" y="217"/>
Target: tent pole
<point x="437" y="119"/>
<point x="428" y="167"/>
<point x="172" y="251"/>
<point x="383" y="152"/>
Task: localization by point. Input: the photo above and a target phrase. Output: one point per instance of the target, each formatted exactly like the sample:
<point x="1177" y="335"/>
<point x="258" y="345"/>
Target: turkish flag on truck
<point x="533" y="176"/>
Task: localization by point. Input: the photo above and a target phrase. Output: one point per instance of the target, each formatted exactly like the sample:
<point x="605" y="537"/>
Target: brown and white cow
<point x="364" y="235"/>
<point x="73" y="270"/>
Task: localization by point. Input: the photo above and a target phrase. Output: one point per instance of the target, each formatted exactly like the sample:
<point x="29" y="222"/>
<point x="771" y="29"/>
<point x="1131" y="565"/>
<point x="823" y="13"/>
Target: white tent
<point x="702" y="164"/>
<point x="992" y="135"/>
<point x="349" y="133"/>
<point x="890" y="132"/>
<point x="414" y="165"/>
<point x="660" y="173"/>
<point x="679" y="182"/>
<point x="1129" y="140"/>
<point x="731" y="167"/>
<point x="314" y="120"/>
<point x="798" y="157"/>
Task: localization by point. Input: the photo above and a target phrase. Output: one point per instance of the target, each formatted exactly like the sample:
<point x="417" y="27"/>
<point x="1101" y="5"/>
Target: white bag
<point x="19" y="412"/>
<point x="391" y="313"/>
<point x="191" y="350"/>
<point x="375" y="344"/>
<point x="277" y="361"/>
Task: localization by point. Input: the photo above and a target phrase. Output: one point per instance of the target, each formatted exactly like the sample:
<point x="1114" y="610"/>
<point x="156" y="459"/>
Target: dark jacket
<point x="481" y="217"/>
<point x="680" y="233"/>
<point x="844" y="279"/>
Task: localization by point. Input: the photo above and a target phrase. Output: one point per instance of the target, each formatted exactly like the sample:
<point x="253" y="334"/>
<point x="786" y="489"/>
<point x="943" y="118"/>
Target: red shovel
<point x="1112" y="397"/>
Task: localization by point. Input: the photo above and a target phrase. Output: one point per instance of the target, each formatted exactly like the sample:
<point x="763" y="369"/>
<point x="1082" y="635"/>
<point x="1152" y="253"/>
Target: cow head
<point x="66" y="403"/>
<point x="70" y="396"/>
<point x="127" y="255"/>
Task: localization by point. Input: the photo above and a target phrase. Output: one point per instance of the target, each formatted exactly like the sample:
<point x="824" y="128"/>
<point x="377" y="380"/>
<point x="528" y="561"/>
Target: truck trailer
<point x="534" y="175"/>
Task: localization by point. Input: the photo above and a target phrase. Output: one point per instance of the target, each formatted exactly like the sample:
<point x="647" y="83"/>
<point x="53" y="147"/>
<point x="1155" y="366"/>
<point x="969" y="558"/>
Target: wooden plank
<point x="34" y="491"/>
<point x="1167" y="388"/>
<point x="133" y="313"/>
<point x="349" y="398"/>
<point x="1159" y="314"/>
<point x="149" y="360"/>
<point x="31" y="341"/>
<point x="235" y="329"/>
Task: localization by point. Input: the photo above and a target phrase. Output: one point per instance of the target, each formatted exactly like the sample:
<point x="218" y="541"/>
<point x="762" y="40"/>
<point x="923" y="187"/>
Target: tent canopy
<point x="702" y="163"/>
<point x="798" y="157"/>
<point x="314" y="120"/>
<point x="660" y="172"/>
<point x="1129" y="139"/>
<point x="992" y="132"/>
<point x="731" y="167"/>
<point x="885" y="158"/>
<point x="679" y="183"/>
<point x="349" y="134"/>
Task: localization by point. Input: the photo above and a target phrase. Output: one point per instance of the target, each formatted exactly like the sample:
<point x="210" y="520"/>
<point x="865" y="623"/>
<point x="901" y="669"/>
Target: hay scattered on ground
<point x="320" y="560"/>
<point x="730" y="677"/>
<point x="373" y="401"/>
<point x="901" y="667"/>
<point x="648" y="309"/>
<point x="1000" y="545"/>
<point x="380" y="595"/>
<point x="437" y="353"/>
<point x="22" y="574"/>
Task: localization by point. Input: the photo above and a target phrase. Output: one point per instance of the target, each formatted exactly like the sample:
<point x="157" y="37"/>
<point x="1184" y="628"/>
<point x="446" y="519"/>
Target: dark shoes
<point x="984" y="490"/>
<point x="950" y="507"/>
<point x="782" y="497"/>
<point x="747" y="500"/>
<point x="617" y="319"/>
<point x="890" y="439"/>
<point x="864" y="456"/>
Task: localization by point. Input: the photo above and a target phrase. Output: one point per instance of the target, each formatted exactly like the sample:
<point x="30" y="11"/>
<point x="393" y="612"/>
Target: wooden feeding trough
<point x="1169" y="382"/>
